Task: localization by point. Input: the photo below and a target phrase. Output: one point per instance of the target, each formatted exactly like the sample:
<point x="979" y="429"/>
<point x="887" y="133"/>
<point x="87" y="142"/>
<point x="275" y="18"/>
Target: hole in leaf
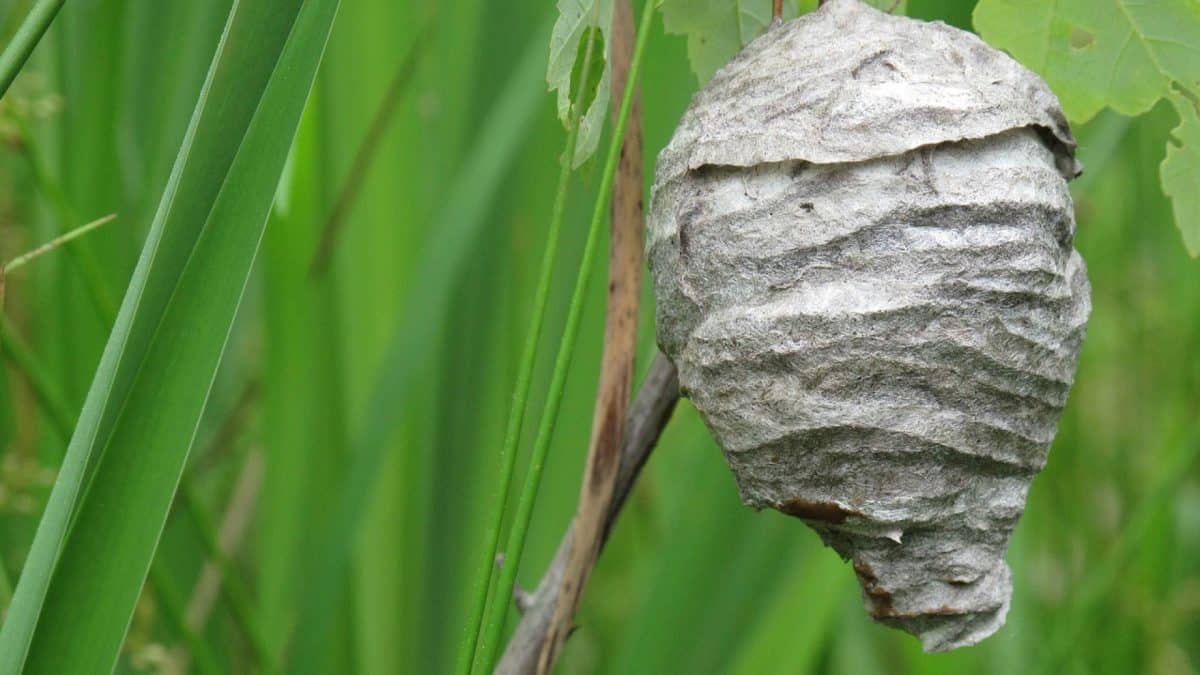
<point x="1080" y="38"/>
<point x="595" y="70"/>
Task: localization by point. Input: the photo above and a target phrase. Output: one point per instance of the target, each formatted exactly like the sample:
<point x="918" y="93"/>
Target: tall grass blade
<point x="150" y="389"/>
<point x="520" y="399"/>
<point x="457" y="227"/>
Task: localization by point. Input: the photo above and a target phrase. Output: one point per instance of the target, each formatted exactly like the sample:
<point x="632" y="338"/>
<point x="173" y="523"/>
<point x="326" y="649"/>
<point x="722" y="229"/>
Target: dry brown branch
<point x="620" y="346"/>
<point x="647" y="416"/>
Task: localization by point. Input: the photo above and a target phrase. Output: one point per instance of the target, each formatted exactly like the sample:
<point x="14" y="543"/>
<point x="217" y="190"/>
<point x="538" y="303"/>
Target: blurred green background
<point x="1106" y="561"/>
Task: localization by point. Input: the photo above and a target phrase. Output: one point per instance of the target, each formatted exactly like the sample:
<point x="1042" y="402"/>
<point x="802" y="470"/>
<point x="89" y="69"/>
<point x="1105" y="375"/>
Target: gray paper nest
<point x="862" y="247"/>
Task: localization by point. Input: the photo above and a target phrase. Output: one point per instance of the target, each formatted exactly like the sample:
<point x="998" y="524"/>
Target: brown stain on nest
<point x="882" y="605"/>
<point x="879" y="597"/>
<point x="826" y="512"/>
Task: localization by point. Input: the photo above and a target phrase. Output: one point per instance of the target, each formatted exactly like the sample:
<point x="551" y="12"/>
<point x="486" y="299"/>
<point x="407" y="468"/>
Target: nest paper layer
<point x="862" y="247"/>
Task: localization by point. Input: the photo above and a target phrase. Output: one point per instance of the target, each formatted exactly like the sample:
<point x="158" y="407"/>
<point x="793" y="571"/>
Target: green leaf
<point x="1181" y="171"/>
<point x="1123" y="54"/>
<point x="1118" y="53"/>
<point x="97" y="536"/>
<point x="718" y="29"/>
<point x="575" y="19"/>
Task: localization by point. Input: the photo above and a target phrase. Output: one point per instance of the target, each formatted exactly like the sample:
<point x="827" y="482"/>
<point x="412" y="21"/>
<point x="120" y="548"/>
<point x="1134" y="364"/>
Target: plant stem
<point x="620" y="349"/>
<point x="54" y="243"/>
<point x="520" y="527"/>
<point x="516" y="416"/>
<point x="26" y="38"/>
<point x="83" y="256"/>
<point x="647" y="417"/>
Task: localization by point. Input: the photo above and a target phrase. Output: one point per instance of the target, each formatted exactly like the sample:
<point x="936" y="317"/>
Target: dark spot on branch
<point x="608" y="448"/>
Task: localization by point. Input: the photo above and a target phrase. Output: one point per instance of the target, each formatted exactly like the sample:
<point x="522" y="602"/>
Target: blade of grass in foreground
<point x="153" y="380"/>
<point x="456" y="230"/>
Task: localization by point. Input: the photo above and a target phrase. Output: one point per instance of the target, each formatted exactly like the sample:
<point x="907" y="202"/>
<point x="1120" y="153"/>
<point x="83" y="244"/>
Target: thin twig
<point x="777" y="10"/>
<point x="646" y="419"/>
<point x="364" y="155"/>
<point x="620" y="347"/>
<point x="54" y="243"/>
<point x="57" y="241"/>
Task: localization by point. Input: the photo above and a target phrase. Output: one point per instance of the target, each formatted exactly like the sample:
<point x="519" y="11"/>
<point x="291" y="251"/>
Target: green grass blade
<point x="23" y="259"/>
<point x="174" y="604"/>
<point x="301" y="406"/>
<point x="789" y="635"/>
<point x="59" y="414"/>
<point x="27" y="37"/>
<point x="61" y="418"/>
<point x="516" y="541"/>
<point x="458" y="225"/>
<point x="1094" y="588"/>
<point x="85" y="259"/>
<point x="520" y="398"/>
<point x="168" y="339"/>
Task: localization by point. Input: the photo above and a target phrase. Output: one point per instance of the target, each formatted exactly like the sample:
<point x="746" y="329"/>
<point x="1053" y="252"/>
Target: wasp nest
<point x="862" y="247"/>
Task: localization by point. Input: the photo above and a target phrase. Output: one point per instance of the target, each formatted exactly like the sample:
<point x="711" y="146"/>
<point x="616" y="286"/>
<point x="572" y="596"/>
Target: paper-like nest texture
<point x="862" y="247"/>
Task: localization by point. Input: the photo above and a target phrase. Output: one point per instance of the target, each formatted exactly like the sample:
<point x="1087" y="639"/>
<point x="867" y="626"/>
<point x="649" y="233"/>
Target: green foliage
<point x="106" y="512"/>
<point x="1181" y="170"/>
<point x="411" y="351"/>
<point x="718" y="29"/>
<point x="1119" y="54"/>
<point x="387" y="383"/>
<point x="1112" y="53"/>
<point x="576" y="19"/>
<point x="516" y="415"/>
